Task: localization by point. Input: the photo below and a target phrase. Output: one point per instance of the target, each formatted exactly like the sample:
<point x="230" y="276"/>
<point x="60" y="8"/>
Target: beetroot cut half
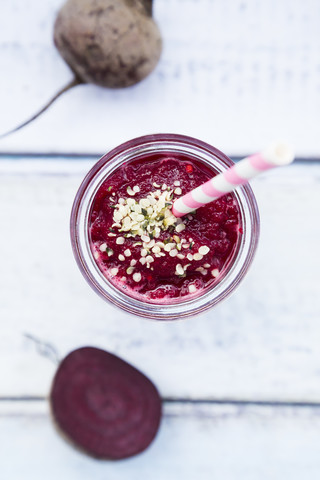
<point x="103" y="405"/>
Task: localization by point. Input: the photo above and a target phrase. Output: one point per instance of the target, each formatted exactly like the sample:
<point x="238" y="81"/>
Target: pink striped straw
<point x="276" y="155"/>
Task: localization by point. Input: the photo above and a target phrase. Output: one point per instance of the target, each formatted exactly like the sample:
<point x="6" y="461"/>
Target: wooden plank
<point x="235" y="74"/>
<point x="262" y="343"/>
<point x="208" y="441"/>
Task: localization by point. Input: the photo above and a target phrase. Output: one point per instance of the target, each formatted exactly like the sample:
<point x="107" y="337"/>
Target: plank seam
<point x="96" y="156"/>
<point x="195" y="401"/>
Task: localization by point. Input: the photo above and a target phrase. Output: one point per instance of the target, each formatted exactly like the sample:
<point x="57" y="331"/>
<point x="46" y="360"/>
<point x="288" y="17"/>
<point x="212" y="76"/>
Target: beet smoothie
<point x="142" y="248"/>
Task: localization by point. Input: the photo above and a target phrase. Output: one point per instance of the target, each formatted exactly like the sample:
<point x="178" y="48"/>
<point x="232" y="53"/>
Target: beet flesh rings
<point x="104" y="405"/>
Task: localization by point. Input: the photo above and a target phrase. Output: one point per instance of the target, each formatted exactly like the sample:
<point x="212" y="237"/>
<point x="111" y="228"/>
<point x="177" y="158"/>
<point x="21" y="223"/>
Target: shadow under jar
<point x="151" y="264"/>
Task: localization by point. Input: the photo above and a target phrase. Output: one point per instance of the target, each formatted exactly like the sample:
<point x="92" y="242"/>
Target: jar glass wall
<point x="169" y="144"/>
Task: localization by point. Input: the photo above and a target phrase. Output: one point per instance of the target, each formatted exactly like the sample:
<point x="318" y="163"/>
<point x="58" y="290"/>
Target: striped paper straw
<point x="276" y="155"/>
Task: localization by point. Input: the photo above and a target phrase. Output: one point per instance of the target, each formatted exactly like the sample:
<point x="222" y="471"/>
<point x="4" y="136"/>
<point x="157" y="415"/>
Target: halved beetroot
<point x="104" y="405"/>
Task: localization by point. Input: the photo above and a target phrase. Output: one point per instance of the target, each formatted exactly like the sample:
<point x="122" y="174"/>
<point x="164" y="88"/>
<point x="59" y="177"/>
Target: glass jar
<point x="178" y="308"/>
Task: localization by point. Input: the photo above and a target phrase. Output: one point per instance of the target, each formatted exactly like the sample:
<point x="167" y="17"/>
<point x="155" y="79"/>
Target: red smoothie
<point x="142" y="248"/>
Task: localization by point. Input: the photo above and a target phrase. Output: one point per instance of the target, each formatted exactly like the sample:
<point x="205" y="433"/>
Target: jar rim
<point x="80" y="238"/>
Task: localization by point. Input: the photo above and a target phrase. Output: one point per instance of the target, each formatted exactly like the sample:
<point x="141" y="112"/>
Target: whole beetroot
<point x="110" y="43"/>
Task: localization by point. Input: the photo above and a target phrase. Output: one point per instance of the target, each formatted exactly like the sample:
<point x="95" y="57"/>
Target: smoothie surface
<point x="142" y="248"/>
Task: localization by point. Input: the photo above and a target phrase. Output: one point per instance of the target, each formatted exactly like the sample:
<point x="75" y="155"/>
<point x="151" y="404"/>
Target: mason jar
<point x="175" y="308"/>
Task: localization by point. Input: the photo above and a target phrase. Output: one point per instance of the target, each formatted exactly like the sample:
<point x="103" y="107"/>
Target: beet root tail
<point x="73" y="83"/>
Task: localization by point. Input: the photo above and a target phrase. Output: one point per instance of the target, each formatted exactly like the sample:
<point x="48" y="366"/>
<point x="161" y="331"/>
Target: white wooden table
<point x="241" y="384"/>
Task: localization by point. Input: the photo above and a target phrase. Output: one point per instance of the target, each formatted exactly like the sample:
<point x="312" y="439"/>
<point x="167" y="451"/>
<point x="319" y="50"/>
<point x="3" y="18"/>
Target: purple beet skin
<point x="104" y="405"/>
